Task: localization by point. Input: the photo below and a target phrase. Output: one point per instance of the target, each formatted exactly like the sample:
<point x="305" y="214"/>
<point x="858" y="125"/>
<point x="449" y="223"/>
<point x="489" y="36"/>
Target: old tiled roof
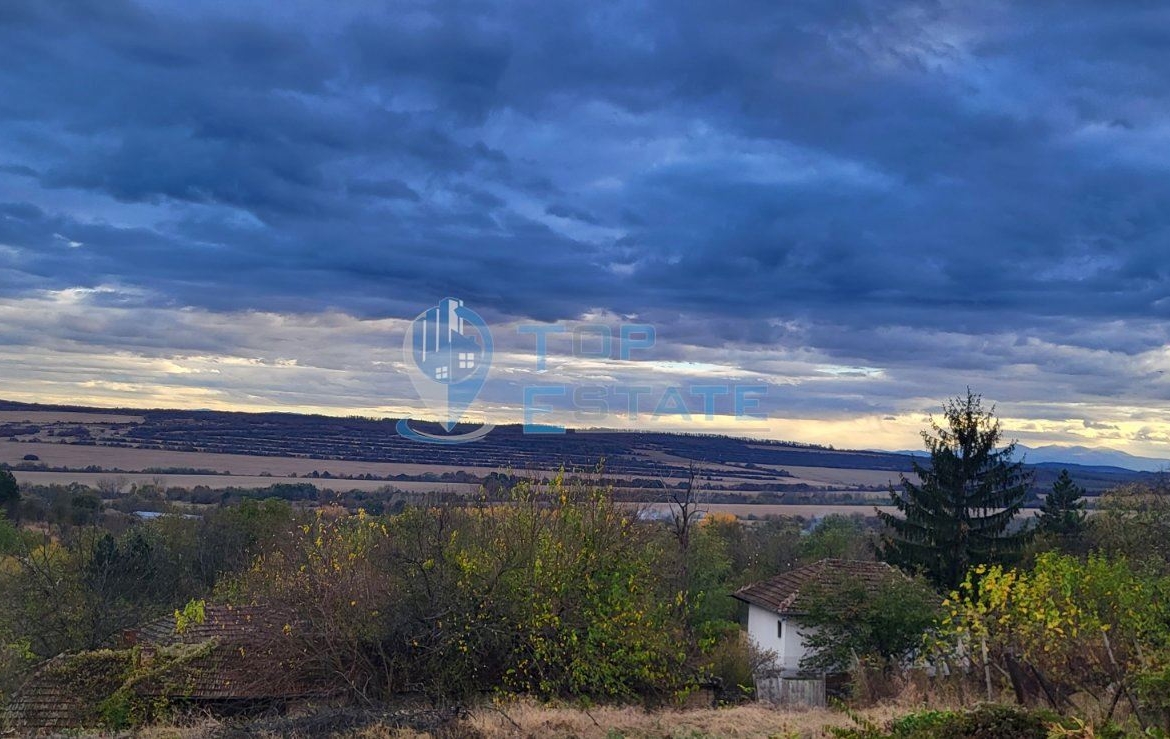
<point x="65" y="692"/>
<point x="218" y="671"/>
<point x="781" y="594"/>
<point x="235" y="654"/>
<point x="227" y="623"/>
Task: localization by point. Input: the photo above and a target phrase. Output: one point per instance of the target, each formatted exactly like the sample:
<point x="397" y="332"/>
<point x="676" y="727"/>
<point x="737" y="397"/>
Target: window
<point x="780" y="629"/>
<point x="466" y="360"/>
<point x="441" y="373"/>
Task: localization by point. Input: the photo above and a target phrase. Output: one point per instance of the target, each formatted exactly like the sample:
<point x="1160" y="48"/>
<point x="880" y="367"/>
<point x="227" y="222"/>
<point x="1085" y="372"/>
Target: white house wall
<point x="762" y="629"/>
<point x="794" y="648"/>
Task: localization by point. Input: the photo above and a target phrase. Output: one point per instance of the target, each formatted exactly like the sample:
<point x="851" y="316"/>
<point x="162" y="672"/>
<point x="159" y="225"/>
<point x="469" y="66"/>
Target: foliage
<point x="733" y="661"/>
<point x="92" y="677"/>
<point x="591" y="620"/>
<point x="45" y="600"/>
<point x="15" y="659"/>
<point x="838" y="537"/>
<point x="759" y="550"/>
<point x="1089" y="626"/>
<point x="9" y="493"/>
<point x="555" y="593"/>
<point x="192" y="614"/>
<point x="549" y="588"/>
<point x="1063" y="513"/>
<point x="709" y="607"/>
<point x="854" y="619"/>
<point x="1134" y="521"/>
<point x="1153" y="689"/>
<point x="987" y="721"/>
<point x="123" y="688"/>
<point x="331" y="572"/>
<point x="960" y="512"/>
<point x="148" y="685"/>
<point x="70" y="588"/>
<point x="10" y="538"/>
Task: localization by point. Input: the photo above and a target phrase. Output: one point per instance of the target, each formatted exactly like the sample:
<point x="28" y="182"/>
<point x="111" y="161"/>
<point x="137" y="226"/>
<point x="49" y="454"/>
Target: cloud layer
<point x="867" y="205"/>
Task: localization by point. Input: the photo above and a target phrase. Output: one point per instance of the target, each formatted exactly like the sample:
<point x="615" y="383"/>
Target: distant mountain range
<point x="1055" y="455"/>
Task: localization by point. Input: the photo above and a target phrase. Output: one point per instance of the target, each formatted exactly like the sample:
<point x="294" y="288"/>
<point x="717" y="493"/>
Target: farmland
<point x="120" y="448"/>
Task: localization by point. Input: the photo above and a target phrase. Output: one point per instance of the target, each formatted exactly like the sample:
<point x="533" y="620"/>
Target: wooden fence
<point x="791" y="692"/>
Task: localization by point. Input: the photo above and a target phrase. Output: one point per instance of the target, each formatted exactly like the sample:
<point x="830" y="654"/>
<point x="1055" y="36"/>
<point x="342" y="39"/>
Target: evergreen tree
<point x="9" y="494"/>
<point x="1063" y="512"/>
<point x="959" y="512"/>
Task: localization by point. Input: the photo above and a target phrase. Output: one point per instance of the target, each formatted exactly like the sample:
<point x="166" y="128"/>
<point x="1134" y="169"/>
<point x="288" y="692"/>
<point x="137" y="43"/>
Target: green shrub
<point x="926" y="724"/>
<point x="731" y="662"/>
<point x="984" y="722"/>
<point x="117" y="711"/>
<point x="1004" y="722"/>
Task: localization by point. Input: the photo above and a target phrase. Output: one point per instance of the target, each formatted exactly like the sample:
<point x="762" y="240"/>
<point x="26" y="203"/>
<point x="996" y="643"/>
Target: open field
<point x="51" y="417"/>
<point x="713" y="468"/>
<point x="256" y="450"/>
<point x="834" y="476"/>
<point x="238" y="481"/>
<point x="743" y="510"/>
<point x="76" y="456"/>
<point x="269" y="436"/>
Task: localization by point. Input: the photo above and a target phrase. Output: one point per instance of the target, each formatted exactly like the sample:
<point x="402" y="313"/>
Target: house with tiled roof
<point x="224" y="658"/>
<point x="775" y="605"/>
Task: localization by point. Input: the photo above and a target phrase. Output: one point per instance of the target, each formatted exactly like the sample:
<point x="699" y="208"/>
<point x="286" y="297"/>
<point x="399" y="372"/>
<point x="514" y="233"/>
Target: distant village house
<point x="775" y="624"/>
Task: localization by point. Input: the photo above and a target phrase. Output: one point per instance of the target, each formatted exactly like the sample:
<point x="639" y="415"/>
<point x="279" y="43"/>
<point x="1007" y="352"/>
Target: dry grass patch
<point x="739" y="722"/>
<point x="534" y="721"/>
<point x="530" y="720"/>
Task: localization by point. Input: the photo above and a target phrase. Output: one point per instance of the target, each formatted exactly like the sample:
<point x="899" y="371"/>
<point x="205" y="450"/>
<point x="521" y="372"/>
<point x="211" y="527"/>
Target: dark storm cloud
<point x="879" y="173"/>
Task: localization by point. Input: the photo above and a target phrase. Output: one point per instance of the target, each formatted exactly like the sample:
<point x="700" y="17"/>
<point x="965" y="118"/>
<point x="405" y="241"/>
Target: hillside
<point x="71" y="439"/>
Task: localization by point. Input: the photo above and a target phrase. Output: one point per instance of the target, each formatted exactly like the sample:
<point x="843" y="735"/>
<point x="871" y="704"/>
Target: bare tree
<point x="685" y="509"/>
<point x="158" y="484"/>
<point x="111" y="487"/>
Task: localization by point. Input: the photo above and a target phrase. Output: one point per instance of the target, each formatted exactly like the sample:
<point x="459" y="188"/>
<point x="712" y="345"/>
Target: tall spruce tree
<point x="1063" y="512"/>
<point x="959" y="513"/>
<point x="9" y="494"/>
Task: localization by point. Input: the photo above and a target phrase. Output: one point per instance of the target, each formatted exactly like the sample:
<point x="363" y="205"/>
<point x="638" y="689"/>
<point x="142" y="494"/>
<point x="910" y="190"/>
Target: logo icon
<point x="448" y="352"/>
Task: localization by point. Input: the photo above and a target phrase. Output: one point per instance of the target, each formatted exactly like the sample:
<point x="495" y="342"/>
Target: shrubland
<point x="555" y="592"/>
<point x="550" y="592"/>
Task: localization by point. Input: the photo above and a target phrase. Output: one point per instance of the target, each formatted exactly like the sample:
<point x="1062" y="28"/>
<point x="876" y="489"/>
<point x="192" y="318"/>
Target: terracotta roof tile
<point x="236" y="653"/>
<point x="65" y="692"/>
<point x="227" y="623"/>
<point x="245" y="653"/>
<point x="781" y="594"/>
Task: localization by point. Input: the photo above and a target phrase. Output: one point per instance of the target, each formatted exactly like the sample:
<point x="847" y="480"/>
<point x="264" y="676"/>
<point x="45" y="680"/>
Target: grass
<point x="530" y="720"/>
<point x="742" y="722"/>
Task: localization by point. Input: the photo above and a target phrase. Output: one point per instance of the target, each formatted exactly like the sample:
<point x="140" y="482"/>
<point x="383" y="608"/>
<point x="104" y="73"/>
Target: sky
<point x="864" y="207"/>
